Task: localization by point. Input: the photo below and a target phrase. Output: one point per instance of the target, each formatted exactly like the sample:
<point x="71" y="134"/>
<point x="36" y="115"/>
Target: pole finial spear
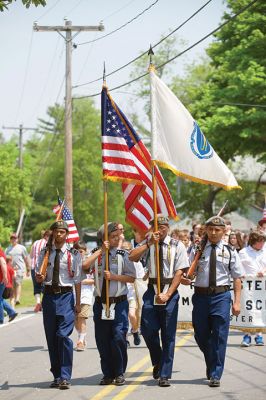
<point x="57" y="191"/>
<point x="104" y="77"/>
<point x="151" y="53"/>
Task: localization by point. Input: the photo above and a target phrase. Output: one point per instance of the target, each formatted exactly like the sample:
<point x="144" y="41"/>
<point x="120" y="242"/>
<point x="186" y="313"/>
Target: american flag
<point x="126" y="159"/>
<point x="66" y="215"/>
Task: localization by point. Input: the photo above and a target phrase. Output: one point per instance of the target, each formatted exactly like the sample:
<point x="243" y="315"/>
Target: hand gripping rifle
<point x="200" y="248"/>
<point x="48" y="247"/>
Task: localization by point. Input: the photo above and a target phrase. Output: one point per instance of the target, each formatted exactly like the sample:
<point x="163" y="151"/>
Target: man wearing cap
<point x="63" y="271"/>
<point x="20" y="264"/>
<point x="159" y="311"/>
<point x="212" y="298"/>
<point x="111" y="330"/>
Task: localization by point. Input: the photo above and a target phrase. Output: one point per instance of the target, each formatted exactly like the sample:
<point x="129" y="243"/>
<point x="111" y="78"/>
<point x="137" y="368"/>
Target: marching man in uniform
<point x="162" y="313"/>
<point x="63" y="271"/>
<point x="111" y="330"/>
<point x="212" y="298"/>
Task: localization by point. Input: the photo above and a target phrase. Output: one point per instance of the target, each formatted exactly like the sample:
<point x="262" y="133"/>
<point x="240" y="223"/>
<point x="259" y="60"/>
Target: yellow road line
<point x="108" y="389"/>
<point x="132" y="386"/>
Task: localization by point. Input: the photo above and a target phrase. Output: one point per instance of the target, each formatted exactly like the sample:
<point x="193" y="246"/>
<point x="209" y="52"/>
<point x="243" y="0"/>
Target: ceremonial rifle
<point x="48" y="247"/>
<point x="200" y="248"/>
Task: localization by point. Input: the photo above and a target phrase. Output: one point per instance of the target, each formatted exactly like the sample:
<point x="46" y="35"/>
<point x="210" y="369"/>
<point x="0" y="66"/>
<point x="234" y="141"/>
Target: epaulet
<point x="73" y="251"/>
<point x="95" y="249"/>
<point x="121" y="252"/>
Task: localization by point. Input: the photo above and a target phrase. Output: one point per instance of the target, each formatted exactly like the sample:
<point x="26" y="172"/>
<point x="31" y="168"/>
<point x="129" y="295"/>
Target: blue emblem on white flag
<point x="199" y="144"/>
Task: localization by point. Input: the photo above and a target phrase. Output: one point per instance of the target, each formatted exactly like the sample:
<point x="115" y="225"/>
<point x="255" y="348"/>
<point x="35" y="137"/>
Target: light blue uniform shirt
<point x="127" y="269"/>
<point x="65" y="278"/>
<point x="180" y="254"/>
<point x="223" y="273"/>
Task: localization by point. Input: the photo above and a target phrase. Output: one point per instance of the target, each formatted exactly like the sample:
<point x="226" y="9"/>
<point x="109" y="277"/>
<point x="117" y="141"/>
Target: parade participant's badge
<point x="199" y="144"/>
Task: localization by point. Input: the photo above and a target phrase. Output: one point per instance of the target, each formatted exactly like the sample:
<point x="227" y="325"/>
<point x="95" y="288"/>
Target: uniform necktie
<point x="55" y="281"/>
<point x="161" y="264"/>
<point x="212" y="272"/>
<point x="103" y="292"/>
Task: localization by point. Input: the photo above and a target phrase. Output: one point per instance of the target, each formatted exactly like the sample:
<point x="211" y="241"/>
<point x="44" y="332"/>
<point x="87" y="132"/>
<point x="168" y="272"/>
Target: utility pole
<point x="20" y="128"/>
<point x="68" y="28"/>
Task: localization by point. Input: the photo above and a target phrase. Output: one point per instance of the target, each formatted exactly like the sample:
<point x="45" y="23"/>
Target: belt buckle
<point x="57" y="290"/>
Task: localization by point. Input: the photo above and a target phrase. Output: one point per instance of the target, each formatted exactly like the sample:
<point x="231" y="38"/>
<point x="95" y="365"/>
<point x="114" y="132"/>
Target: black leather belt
<point x="164" y="281"/>
<point x="112" y="300"/>
<point x="57" y="290"/>
<point x="211" y="290"/>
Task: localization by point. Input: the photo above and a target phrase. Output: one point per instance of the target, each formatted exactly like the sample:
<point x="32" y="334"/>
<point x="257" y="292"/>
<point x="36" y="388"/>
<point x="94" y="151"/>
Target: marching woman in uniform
<point x="63" y="271"/>
<point x="111" y="327"/>
<point x="162" y="314"/>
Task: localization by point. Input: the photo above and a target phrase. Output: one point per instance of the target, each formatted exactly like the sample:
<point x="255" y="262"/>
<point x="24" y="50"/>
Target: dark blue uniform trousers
<point x="110" y="338"/>
<point x="58" y="320"/>
<point x="164" y="318"/>
<point x="210" y="319"/>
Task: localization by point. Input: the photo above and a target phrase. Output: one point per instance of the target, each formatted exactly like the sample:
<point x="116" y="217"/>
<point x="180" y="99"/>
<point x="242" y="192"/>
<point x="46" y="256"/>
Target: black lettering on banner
<point x="185" y="300"/>
<point x="257" y="285"/>
<point x="249" y="305"/>
<point x="258" y="305"/>
<point x="249" y="284"/>
<point x="250" y="319"/>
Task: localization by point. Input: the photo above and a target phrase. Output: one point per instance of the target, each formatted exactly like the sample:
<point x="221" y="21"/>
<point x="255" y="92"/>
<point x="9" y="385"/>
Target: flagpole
<point x="154" y="185"/>
<point x="105" y="201"/>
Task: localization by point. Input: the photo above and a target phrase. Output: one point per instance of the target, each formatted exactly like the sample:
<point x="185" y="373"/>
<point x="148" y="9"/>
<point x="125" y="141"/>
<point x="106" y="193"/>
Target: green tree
<point x="15" y="188"/>
<point x="4" y="4"/>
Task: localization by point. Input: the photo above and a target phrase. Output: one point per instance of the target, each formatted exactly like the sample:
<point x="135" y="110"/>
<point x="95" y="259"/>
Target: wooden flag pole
<point x="155" y="227"/>
<point x="106" y="251"/>
<point x="154" y="185"/>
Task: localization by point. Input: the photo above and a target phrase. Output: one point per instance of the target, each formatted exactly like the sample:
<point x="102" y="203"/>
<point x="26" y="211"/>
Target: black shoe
<point x="128" y="344"/>
<point x="64" y="384"/>
<point x="155" y="372"/>
<point x="163" y="382"/>
<point x="106" y="381"/>
<point x="17" y="303"/>
<point x="137" y="339"/>
<point x="120" y="380"/>
<point x="12" y="317"/>
<point x="214" y="382"/>
<point x="208" y="374"/>
<point x="55" y="384"/>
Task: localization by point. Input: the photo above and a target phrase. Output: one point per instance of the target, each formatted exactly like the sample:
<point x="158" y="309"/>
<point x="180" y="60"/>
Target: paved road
<point x="25" y="369"/>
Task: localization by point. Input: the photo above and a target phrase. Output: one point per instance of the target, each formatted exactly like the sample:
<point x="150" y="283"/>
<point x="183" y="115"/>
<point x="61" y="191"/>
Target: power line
<point x="48" y="10"/>
<point x="25" y="77"/>
<point x="179" y="54"/>
<point x="118" y="29"/>
<point x="155" y="45"/>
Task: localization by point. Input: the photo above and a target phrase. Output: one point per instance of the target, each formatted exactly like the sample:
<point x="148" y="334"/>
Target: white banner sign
<point x="253" y="303"/>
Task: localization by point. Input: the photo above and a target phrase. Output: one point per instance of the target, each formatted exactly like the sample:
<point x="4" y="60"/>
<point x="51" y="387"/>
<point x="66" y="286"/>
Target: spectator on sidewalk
<point x="20" y="264"/>
<point x="9" y="287"/>
<point x="3" y="283"/>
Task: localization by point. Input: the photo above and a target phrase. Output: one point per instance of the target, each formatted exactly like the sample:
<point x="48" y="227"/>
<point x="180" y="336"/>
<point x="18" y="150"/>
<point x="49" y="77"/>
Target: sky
<point x="33" y="63"/>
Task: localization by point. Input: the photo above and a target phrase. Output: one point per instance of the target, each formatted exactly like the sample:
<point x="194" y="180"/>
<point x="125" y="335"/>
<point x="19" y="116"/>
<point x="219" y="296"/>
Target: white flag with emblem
<point x="178" y="143"/>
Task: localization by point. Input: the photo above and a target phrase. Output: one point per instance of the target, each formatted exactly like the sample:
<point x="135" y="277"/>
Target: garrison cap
<point x="59" y="225"/>
<point x="111" y="226"/>
<point x="161" y="219"/>
<point x="215" y="221"/>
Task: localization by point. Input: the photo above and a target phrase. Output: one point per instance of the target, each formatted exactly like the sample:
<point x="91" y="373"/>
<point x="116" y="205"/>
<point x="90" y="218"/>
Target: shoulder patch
<point x="73" y="251"/>
<point x="121" y="252"/>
